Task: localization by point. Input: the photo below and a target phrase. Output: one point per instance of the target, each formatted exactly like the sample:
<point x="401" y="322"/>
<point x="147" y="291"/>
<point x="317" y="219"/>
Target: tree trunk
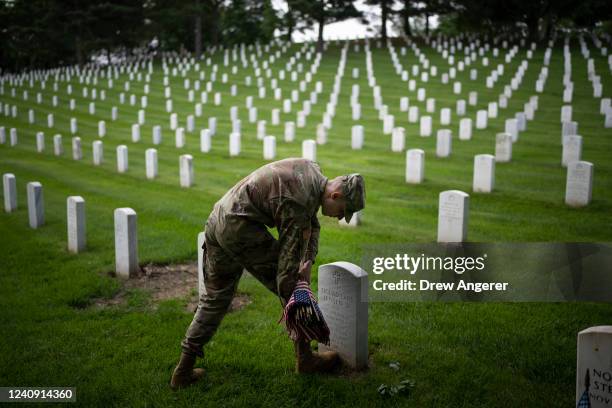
<point x="427" y="23"/>
<point x="384" y="12"/>
<point x="197" y="48"/>
<point x="549" y="25"/>
<point x="532" y="28"/>
<point x="78" y="48"/>
<point x="406" y="17"/>
<point x="320" y="38"/>
<point x="290" y="27"/>
<point x="214" y="27"/>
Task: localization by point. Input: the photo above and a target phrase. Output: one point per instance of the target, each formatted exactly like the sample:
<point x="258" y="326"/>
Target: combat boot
<point x="184" y="373"/>
<point x="308" y="362"/>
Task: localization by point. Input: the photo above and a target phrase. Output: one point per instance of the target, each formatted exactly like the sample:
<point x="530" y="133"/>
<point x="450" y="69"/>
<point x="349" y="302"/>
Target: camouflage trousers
<point x="233" y="244"/>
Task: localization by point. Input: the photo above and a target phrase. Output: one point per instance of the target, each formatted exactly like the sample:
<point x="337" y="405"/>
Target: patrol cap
<point x="353" y="190"/>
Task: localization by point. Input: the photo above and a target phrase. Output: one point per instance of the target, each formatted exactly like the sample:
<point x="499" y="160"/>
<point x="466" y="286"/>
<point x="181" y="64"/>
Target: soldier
<point x="287" y="195"/>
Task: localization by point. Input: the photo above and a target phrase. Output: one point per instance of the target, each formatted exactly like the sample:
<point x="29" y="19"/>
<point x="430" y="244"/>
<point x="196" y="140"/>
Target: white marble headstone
<point x="413" y="114"/>
<point x="151" y="163"/>
<point x="425" y="126"/>
<point x="484" y="173"/>
<point x="521" y="120"/>
<point x="572" y="149"/>
<point x="234" y="144"/>
<point x="135" y="133"/>
<point x="473" y="98"/>
<point x="465" y="129"/>
<point x="503" y="147"/>
<point x="186" y="170"/>
<point x="126" y="243"/>
<point x="275" y="117"/>
<point x="481" y="119"/>
<point x="40" y="142"/>
<point x="157" y="134"/>
<point x="36" y="208"/>
<point x="357" y="137"/>
<point x="122" y="158"/>
<point x="388" y="124"/>
<point x="289" y="135"/>
<point x="205" y="141"/>
<point x="492" y="110"/>
<point x="343" y="301"/>
<point x="10" y="192"/>
<point x="579" y="183"/>
<point x="453" y="212"/>
<point x="511" y="127"/>
<point x="101" y="128"/>
<point x="309" y="149"/>
<point x="261" y="129"/>
<point x="356" y="111"/>
<point x="98" y="152"/>
<point x="321" y="134"/>
<point x="594" y="357"/>
<point x="13" y="137"/>
<point x="179" y="137"/>
<point x="415" y="166"/>
<point x="445" y="116"/>
<point x="269" y="147"/>
<point x="568" y="128"/>
<point x="398" y="139"/>
<point x="77" y="151"/>
<point x="75" y="208"/>
<point x="566" y="113"/>
<point x="443" y="143"/>
<point x="58" y="147"/>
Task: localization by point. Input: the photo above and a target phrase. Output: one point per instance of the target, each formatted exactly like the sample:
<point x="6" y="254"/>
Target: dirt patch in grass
<point x="162" y="282"/>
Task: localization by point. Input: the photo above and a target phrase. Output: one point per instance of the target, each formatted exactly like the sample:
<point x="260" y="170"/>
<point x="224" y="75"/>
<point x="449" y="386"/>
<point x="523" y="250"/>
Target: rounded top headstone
<point x="355" y="270"/>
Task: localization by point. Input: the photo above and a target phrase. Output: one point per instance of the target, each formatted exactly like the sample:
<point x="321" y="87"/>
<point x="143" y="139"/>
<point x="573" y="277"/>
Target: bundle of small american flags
<point x="303" y="317"/>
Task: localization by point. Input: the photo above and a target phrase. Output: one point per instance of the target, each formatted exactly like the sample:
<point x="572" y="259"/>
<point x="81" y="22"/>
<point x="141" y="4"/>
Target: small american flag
<point x="302" y="316"/>
<point x="584" y="401"/>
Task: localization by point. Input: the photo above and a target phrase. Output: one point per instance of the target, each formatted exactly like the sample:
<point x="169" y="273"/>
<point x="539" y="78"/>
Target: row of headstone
<point x="36" y="207"/>
<point x="36" y="214"/>
<point x="140" y="115"/>
<point x="442" y="143"/>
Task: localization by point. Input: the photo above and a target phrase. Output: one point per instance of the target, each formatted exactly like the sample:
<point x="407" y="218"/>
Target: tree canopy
<point x="45" y="33"/>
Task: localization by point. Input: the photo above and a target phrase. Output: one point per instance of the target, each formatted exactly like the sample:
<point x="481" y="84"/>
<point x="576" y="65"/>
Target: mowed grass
<point x="488" y="355"/>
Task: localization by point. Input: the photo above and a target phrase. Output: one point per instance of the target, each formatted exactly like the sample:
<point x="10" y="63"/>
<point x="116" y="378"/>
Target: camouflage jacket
<point x="285" y="194"/>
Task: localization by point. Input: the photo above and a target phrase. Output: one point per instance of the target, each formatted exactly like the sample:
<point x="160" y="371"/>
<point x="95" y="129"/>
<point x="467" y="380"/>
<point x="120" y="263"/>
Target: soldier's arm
<point x="294" y="232"/>
<point x="313" y="244"/>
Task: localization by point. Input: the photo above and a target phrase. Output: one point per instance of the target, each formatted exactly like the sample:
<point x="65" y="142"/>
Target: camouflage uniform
<point x="285" y="194"/>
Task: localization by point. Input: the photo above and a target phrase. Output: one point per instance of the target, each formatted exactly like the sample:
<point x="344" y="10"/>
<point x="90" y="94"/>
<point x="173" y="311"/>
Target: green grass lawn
<point x="488" y="355"/>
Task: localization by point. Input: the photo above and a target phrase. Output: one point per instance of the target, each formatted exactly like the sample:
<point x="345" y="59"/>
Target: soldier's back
<point x="260" y="195"/>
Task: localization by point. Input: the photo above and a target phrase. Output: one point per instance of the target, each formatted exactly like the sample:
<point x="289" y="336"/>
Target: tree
<point x="323" y="12"/>
<point x="197" y="30"/>
<point x="290" y="20"/>
<point x="406" y="11"/>
<point x="386" y="9"/>
<point x="48" y="32"/>
<point x="247" y="21"/>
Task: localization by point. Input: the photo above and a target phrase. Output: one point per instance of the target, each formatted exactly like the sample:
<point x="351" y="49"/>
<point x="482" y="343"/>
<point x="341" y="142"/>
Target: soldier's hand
<point x="304" y="272"/>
